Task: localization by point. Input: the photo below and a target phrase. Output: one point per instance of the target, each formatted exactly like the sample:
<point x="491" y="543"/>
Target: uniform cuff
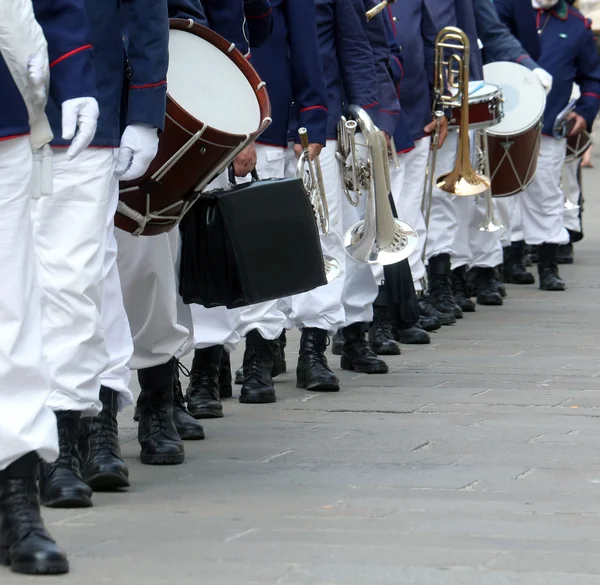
<point x="528" y="62"/>
<point x="314" y="119"/>
<point x="147" y="105"/>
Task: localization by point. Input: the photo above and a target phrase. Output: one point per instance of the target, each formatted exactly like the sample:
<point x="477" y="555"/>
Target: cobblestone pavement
<point x="475" y="461"/>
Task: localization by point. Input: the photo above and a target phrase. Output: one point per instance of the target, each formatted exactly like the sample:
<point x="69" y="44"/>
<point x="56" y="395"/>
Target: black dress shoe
<point x="459" y="289"/>
<point x="225" y="388"/>
<point x="204" y="390"/>
<point x="102" y="464"/>
<point x="428" y="324"/>
<point x="440" y="287"/>
<point x="160" y="444"/>
<point x="565" y="254"/>
<point x="514" y="270"/>
<point x="550" y="280"/>
<point x="427" y="310"/>
<point x="413" y="336"/>
<point x="313" y="371"/>
<point x="337" y="342"/>
<point x="61" y="484"/>
<point x="25" y="544"/>
<point x="381" y="334"/>
<point x="258" y="385"/>
<point x="188" y="428"/>
<point x="357" y="355"/>
<point x="485" y="283"/>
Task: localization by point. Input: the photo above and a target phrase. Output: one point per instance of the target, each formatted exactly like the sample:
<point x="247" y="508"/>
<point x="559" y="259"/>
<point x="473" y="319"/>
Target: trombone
<point x="312" y="177"/>
<point x="380" y="238"/>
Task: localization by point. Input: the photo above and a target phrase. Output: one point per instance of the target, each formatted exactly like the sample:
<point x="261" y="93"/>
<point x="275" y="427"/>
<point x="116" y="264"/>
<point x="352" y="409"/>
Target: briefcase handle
<point x="232" y="177"/>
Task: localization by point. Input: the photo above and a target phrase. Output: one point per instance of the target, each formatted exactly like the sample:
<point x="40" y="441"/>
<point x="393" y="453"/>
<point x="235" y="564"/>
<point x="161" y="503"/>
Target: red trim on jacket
<point x="314" y="108"/>
<point x="370" y="105"/>
<point x="3" y="138"/>
<point x="148" y="85"/>
<point x="592" y="94"/>
<point x="262" y="15"/>
<point x="70" y="54"/>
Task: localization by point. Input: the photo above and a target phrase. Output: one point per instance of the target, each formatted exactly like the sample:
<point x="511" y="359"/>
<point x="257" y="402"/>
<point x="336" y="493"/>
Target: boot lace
<point x="253" y="366"/>
<point x="382" y="325"/>
<point x="22" y="511"/>
<point x="459" y="284"/>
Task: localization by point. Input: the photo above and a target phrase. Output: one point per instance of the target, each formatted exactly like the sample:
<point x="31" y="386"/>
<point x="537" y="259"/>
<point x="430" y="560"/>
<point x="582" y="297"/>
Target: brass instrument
<point x="312" y="177"/>
<point x="462" y="180"/>
<point x="490" y="224"/>
<point x="378" y="8"/>
<point x="380" y="238"/>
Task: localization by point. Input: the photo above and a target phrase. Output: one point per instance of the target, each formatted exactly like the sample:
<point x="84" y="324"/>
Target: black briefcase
<point x="250" y="243"/>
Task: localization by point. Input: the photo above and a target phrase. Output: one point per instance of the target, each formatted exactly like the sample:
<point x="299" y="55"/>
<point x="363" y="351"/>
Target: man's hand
<point x="314" y="150"/>
<point x="79" y="119"/>
<point x="443" y="129"/>
<point x="245" y="162"/>
<point x="580" y="124"/>
<point x="139" y="145"/>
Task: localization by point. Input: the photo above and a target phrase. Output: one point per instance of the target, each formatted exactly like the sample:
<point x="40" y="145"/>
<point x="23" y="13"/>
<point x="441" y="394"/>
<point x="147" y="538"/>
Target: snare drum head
<point x="524" y="97"/>
<point x="209" y="86"/>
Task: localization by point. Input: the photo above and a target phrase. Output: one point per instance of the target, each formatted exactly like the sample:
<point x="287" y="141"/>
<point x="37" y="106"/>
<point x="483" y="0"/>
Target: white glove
<point x="139" y="145"/>
<point x="38" y="75"/>
<point x="79" y="115"/>
<point x="544" y="78"/>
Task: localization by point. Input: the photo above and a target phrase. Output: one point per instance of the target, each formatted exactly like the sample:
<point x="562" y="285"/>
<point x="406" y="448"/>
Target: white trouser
<point x="542" y="203"/>
<point x="322" y="307"/>
<point x="505" y="208"/>
<point x="219" y="325"/>
<point x="407" y="189"/>
<point x="443" y="220"/>
<point x="70" y="239"/>
<point x="572" y="190"/>
<point x="26" y="423"/>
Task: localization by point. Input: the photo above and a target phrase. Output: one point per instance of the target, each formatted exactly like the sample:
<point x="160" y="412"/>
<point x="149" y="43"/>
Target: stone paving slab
<point x="476" y="461"/>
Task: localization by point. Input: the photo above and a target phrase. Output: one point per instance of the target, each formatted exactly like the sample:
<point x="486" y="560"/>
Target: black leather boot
<point x="459" y="288"/>
<point x="103" y="467"/>
<point x="428" y="324"/>
<point x="225" y="389"/>
<point x="279" y="362"/>
<point x="499" y="280"/>
<point x="313" y="371"/>
<point x="357" y="355"/>
<point x="440" y="287"/>
<point x="381" y="335"/>
<point x="427" y="310"/>
<point x="258" y="385"/>
<point x="61" y="484"/>
<point x="548" y="268"/>
<point x="25" y="544"/>
<point x="485" y="286"/>
<point x="413" y="336"/>
<point x="337" y="342"/>
<point x="188" y="428"/>
<point x="160" y="444"/>
<point x="565" y="254"/>
<point x="514" y="270"/>
<point x="204" y="391"/>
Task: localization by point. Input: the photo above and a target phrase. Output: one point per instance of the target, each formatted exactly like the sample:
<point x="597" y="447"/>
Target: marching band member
<point x="569" y="54"/>
<point x="289" y="62"/>
<point x="446" y="238"/>
<point x="414" y="31"/>
<point x="27" y="425"/>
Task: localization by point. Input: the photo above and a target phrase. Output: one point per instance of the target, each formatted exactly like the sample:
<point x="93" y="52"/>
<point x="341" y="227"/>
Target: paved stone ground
<point x="475" y="462"/>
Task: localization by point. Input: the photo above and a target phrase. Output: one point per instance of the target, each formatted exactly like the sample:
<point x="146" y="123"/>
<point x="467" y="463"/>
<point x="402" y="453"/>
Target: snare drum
<point x="485" y="106"/>
<point x="216" y="106"/>
<point x="577" y="145"/>
<point x="514" y="144"/>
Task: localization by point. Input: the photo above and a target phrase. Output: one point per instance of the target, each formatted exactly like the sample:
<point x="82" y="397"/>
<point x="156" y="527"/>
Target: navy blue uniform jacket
<point x="71" y="64"/>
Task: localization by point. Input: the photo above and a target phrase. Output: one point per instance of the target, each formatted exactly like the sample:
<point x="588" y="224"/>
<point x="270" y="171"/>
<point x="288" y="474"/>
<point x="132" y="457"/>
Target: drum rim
<point x="488" y="97"/>
<point x="245" y="67"/>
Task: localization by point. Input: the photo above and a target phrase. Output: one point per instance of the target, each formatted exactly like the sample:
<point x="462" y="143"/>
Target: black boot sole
<point x="318" y="386"/>
<point x="553" y="289"/>
<point x="386" y="350"/>
<point x="107" y="482"/>
<point x="174" y="459"/>
<point x="348" y="365"/>
<point x="491" y="302"/>
<point x="36" y="567"/>
<point x="68" y="500"/>
<point x="201" y="413"/>
<point x="258" y="399"/>
<point x="191" y="435"/>
<point x="239" y="378"/>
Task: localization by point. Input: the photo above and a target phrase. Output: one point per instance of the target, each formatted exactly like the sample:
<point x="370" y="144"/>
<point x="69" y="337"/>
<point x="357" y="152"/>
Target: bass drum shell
<point x="577" y="145"/>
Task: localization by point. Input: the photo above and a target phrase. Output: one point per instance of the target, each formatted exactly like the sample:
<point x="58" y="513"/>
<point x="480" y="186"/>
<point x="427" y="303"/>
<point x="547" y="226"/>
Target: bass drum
<point x="577" y="145"/>
<point x="216" y="105"/>
<point x="514" y="144"/>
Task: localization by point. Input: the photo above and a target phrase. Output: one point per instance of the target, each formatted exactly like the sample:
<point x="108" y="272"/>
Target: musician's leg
<point x="542" y="212"/>
<point x="441" y="235"/>
<point x="70" y="236"/>
<point x="320" y="311"/>
<point x="572" y="214"/>
<point x="461" y="259"/>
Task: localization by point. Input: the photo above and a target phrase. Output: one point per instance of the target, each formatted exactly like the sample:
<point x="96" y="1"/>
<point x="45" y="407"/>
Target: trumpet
<point x="312" y="177"/>
<point x="462" y="180"/>
<point x="380" y="238"/>
<point x="378" y="8"/>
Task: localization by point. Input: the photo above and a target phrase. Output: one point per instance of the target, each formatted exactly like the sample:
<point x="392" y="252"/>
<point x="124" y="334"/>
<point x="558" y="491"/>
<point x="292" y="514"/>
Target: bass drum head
<point x="208" y="85"/>
<point x="524" y="97"/>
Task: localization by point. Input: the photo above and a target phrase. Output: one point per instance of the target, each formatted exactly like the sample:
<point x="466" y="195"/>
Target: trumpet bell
<point x="490" y="226"/>
<point x="464" y="184"/>
<point x="332" y="268"/>
<point x="403" y="244"/>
